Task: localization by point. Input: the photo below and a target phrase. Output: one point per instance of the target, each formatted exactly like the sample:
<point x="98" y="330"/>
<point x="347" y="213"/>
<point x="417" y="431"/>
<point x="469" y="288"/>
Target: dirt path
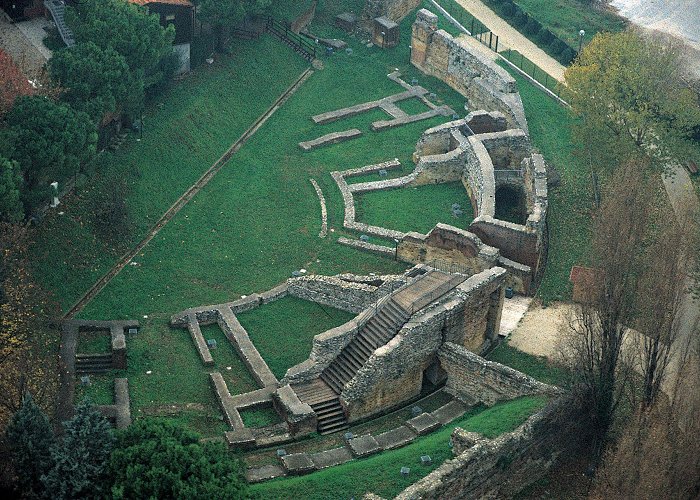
<point x="541" y="329"/>
<point x="29" y="59"/>
<point x="186" y="197"/>
<point x="509" y="37"/>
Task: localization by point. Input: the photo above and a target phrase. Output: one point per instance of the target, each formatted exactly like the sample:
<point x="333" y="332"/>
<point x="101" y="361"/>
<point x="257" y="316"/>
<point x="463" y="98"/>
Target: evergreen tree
<point x="80" y="458"/>
<point x="11" y="209"/>
<point x="30" y="438"/>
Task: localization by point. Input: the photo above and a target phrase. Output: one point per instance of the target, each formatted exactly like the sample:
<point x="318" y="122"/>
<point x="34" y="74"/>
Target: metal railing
<point x="57" y="8"/>
<point x="300" y="44"/>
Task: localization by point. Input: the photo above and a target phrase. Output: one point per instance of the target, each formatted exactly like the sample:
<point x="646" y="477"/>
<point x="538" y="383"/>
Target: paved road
<point x="509" y="37"/>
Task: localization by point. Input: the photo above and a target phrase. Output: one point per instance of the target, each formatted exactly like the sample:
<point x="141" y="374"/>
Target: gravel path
<point x="540" y="331"/>
<point x="29" y="59"/>
<point x="509" y="37"/>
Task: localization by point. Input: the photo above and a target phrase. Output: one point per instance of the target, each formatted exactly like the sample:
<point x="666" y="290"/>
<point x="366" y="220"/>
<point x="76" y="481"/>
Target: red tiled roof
<point x="185" y="3"/>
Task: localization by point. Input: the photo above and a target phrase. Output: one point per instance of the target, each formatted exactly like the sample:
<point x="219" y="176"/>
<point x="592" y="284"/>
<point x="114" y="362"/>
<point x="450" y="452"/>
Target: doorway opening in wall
<point x="510" y="204"/>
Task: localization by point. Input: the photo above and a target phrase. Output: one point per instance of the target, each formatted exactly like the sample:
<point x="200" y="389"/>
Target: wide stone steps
<point x="93" y="363"/>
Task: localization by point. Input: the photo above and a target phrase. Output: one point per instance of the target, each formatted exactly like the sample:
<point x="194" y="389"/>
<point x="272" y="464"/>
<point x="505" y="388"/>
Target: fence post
<point x="490" y="38"/>
<point x="522" y="58"/>
<point x="472" y="26"/>
<point x="497" y="44"/>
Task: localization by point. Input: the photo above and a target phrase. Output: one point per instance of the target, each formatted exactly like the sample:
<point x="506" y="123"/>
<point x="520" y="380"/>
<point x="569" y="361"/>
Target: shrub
<point x="544" y="37"/>
<point x="567" y="56"/>
<point x="508" y="9"/>
<point x="533" y="26"/>
<point x="556" y="47"/>
<point x="520" y="19"/>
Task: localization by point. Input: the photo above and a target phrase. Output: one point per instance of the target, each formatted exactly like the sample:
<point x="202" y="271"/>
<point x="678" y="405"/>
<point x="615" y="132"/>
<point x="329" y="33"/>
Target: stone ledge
<point x="423" y="424"/>
<point x="332" y="138"/>
<point x="364" y="446"/>
<point x="298" y="463"/>
<point x="396" y="438"/>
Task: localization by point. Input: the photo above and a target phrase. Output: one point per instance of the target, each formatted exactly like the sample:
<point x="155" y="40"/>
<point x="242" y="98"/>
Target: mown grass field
<point x="380" y="473"/>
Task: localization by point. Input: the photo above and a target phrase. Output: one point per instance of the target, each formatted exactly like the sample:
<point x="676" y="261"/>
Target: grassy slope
<point x="283" y="330"/>
<point x="380" y="473"/>
<point x="186" y="131"/>
<point x="537" y="367"/>
<point x="415" y="208"/>
<point x="570" y="203"/>
<point x="565" y="18"/>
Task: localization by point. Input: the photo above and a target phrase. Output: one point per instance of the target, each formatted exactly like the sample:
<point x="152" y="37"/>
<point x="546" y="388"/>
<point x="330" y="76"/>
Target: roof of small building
<point x="184" y="3"/>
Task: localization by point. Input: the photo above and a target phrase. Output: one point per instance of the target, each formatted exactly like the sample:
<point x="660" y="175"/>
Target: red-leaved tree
<point x="13" y="83"/>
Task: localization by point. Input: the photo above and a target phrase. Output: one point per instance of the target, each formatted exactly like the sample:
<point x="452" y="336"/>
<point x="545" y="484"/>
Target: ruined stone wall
<point x="508" y="148"/>
<point x="449" y="244"/>
<point x="394" y="372"/>
<point x="475" y="380"/>
<point x="513" y="241"/>
<point x="463" y="64"/>
<point x="392" y="9"/>
<point x="502" y="467"/>
<point x="478" y="178"/>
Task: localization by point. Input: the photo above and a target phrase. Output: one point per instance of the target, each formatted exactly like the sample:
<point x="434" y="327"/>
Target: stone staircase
<point x="323" y="394"/>
<point x="58" y="12"/>
<point x="93" y="363"/>
<point x="379" y="330"/>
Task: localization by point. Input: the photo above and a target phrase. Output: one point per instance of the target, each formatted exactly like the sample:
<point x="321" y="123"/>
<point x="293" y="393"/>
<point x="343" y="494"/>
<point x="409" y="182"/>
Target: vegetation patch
<point x="283" y="330"/>
<point x="94" y="342"/>
<point x="260" y="417"/>
<point x="538" y="367"/>
<point x="381" y="473"/>
<point x="415" y="208"/>
<point x="100" y="390"/>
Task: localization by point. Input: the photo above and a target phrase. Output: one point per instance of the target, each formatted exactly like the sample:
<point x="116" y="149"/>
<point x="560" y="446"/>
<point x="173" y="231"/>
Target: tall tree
<point x="600" y="325"/>
<point x="80" y="459"/>
<point x="155" y="459"/>
<point x="629" y="94"/>
<point x="50" y="141"/>
<point x="129" y="30"/>
<point x="11" y="209"/>
<point x="30" y="439"/>
<point x="96" y="80"/>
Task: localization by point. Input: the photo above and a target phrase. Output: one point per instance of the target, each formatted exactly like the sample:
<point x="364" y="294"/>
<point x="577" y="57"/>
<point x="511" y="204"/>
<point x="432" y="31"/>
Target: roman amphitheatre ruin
<point x="426" y="327"/>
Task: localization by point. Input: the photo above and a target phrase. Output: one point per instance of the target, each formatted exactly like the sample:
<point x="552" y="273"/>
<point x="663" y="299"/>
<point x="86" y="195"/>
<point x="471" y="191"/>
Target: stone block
<point x="330" y="458"/>
<point x="332" y="138"/>
<point x="396" y="438"/>
<point x="298" y="463"/>
<point x="423" y="424"/>
<point x="240" y="439"/>
<point x="299" y="416"/>
<point x="264" y="473"/>
<point x="363" y="446"/>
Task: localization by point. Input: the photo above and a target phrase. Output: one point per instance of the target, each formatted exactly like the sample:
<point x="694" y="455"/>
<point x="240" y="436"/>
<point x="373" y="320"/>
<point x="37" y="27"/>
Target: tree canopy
<point x="156" y="459"/>
<point x="49" y="140"/>
<point x="11" y="209"/>
<point x="129" y="30"/>
<point x="629" y="93"/>
<point x="231" y="12"/>
<point x="95" y="80"/>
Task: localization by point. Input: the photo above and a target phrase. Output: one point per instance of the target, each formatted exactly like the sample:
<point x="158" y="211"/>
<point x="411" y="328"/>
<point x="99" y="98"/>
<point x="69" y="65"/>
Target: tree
<point x="156" y="459"/>
<point x="127" y="29"/>
<point x="629" y="94"/>
<point x="12" y="83"/>
<point x="599" y="327"/>
<point x="223" y="13"/>
<point x="10" y="181"/>
<point x="30" y="438"/>
<point x="665" y="322"/>
<point x="50" y="141"/>
<point x="96" y="80"/>
<point x="80" y="457"/>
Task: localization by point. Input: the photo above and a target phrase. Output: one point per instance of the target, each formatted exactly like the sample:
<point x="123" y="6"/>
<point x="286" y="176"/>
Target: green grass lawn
<point x="283" y="330"/>
<point x="380" y="473"/>
<point x="565" y="18"/>
<point x="570" y="203"/>
<point x="537" y="367"/>
<point x="413" y="106"/>
<point x="100" y="391"/>
<point x="531" y="69"/>
<point x="259" y="417"/>
<point x="94" y="342"/>
<point x="415" y="208"/>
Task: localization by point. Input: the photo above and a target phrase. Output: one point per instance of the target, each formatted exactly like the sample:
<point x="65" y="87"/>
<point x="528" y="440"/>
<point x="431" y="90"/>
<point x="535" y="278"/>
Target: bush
<point x="520" y="19"/>
<point x="567" y="56"/>
<point x="544" y="37"/>
<point x="508" y="9"/>
<point x="532" y="27"/>
<point x="556" y="47"/>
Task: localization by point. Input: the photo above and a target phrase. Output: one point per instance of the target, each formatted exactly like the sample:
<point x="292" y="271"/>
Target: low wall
<point x="502" y="467"/>
<point x="514" y="241"/>
<point x="475" y="380"/>
<point x="465" y="66"/>
<point x="392" y="9"/>
<point x="507" y="148"/>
